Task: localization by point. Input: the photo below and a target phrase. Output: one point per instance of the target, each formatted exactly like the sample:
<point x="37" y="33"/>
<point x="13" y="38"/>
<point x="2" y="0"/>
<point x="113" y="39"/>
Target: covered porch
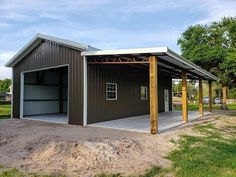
<point x="166" y="120"/>
<point x="155" y="61"/>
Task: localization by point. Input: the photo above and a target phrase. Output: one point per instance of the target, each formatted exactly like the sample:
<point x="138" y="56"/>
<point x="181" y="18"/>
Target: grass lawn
<point x="194" y="107"/>
<point x="13" y="172"/>
<point x="5" y="111"/>
<point x="210" y="155"/>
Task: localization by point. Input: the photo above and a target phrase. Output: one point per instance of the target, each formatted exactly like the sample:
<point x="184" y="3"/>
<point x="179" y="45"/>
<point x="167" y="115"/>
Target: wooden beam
<point x="184" y="97"/>
<point x="153" y="94"/>
<point x="210" y="95"/>
<point x="116" y="62"/>
<point x="200" y="102"/>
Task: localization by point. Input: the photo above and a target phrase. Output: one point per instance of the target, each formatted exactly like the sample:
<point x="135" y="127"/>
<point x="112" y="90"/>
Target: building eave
<point x="42" y="37"/>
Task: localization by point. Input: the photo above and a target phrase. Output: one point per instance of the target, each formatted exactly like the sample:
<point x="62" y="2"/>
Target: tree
<point x="192" y="90"/>
<point x="213" y="47"/>
<point x="4" y="85"/>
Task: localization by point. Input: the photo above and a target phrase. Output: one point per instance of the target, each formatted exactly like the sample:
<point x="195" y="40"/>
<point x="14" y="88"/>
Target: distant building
<point x="10" y="89"/>
<point x="5" y="96"/>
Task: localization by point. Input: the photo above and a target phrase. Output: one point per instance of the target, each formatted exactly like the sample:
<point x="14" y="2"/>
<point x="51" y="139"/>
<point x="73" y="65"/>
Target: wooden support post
<point x="184" y="97"/>
<point x="224" y="92"/>
<point x="200" y="102"/>
<point x="210" y="95"/>
<point x="153" y="78"/>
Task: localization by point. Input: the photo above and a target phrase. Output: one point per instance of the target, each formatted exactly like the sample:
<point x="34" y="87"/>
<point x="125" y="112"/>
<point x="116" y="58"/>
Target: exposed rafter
<point x="117" y="60"/>
<point x="140" y="61"/>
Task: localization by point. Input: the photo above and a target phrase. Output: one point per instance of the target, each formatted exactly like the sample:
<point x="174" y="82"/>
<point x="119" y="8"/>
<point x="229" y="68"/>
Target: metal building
<point x="78" y="84"/>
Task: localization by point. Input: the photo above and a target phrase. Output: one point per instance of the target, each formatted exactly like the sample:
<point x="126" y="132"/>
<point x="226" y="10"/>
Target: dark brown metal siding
<point x="48" y="54"/>
<point x="129" y="103"/>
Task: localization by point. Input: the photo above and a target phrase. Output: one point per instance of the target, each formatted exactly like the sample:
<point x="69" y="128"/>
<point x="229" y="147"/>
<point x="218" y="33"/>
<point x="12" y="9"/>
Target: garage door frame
<point x="35" y="70"/>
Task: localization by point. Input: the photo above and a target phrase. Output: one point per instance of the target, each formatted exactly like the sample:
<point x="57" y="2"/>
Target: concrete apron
<point x="141" y="123"/>
<point x="53" y="118"/>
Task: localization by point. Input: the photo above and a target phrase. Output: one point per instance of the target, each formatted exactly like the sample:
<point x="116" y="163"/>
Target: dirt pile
<point x="76" y="156"/>
<point x="52" y="149"/>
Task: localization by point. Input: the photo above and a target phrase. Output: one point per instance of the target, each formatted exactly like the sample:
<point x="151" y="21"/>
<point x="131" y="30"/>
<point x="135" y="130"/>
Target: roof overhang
<point x="164" y="54"/>
<point x="42" y="37"/>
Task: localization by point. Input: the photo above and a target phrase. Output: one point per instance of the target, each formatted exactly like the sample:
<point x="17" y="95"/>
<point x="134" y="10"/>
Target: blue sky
<point x="105" y="24"/>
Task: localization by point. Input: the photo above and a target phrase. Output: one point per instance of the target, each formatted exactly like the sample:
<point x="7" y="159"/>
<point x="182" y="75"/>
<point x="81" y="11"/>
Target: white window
<point x="144" y="93"/>
<point x="111" y="91"/>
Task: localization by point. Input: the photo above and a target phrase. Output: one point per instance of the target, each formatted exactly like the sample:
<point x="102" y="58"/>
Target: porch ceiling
<point x="168" y="61"/>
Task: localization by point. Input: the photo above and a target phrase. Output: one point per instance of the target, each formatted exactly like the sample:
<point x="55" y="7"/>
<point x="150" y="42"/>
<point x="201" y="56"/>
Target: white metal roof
<point x="37" y="39"/>
<point x="164" y="53"/>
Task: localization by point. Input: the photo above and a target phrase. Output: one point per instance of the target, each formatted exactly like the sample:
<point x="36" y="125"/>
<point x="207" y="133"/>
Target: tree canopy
<point x="4" y="85"/>
<point x="213" y="47"/>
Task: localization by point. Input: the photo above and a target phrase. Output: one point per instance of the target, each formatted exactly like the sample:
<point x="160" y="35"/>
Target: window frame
<point x="146" y="90"/>
<point x="108" y="91"/>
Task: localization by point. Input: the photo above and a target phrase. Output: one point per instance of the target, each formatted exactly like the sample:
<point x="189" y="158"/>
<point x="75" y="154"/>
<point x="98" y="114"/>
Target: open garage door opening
<point x="44" y="95"/>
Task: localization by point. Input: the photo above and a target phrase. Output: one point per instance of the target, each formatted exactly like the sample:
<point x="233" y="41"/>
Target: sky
<point x="105" y="24"/>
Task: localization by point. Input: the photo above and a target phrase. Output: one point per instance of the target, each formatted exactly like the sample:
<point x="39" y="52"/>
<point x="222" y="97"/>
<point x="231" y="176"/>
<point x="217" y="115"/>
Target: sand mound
<point x="77" y="156"/>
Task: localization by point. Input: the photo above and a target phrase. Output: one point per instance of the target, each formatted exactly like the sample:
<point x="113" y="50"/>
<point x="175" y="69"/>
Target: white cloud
<point x="140" y="6"/>
<point x="5" y="72"/>
<point x="3" y="24"/>
<point x="52" y="16"/>
<point x="5" y="56"/>
<point x="30" y="10"/>
<point x="112" y="38"/>
<point x="216" y="9"/>
<point x="59" y="10"/>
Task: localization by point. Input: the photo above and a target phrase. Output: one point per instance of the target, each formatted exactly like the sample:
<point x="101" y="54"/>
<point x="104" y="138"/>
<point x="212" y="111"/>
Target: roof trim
<point x="40" y="37"/>
<point x="154" y="50"/>
<point x="191" y="64"/>
<point x="151" y="51"/>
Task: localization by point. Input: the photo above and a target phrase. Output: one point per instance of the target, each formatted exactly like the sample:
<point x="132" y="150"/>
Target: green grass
<point x="5" y="111"/>
<point x="194" y="107"/>
<point x="154" y="171"/>
<point x="209" y="155"/>
<point x="13" y="172"/>
<point x="232" y="106"/>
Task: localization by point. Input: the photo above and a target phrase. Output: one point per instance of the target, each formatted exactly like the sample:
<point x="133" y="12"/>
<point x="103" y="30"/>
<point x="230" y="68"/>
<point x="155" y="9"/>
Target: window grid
<point x="111" y="91"/>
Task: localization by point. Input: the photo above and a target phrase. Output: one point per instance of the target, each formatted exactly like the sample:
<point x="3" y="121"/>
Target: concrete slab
<point x="55" y="118"/>
<point x="141" y="123"/>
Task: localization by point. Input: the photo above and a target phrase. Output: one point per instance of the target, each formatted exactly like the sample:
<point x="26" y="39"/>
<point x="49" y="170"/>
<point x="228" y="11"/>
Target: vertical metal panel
<point x="129" y="103"/>
<point x="38" y="92"/>
<point x="65" y="106"/>
<point x="40" y="107"/>
<point x="48" y="54"/>
<point x="101" y="109"/>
